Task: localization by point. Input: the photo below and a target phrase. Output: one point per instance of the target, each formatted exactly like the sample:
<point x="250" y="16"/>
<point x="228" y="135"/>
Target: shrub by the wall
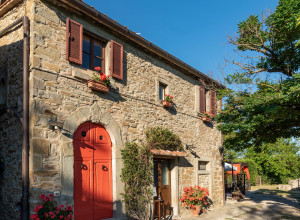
<point x="137" y="177"/>
<point x="160" y="138"/>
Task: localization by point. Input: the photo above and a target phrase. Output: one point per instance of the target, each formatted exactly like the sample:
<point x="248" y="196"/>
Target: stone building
<point x="52" y="124"/>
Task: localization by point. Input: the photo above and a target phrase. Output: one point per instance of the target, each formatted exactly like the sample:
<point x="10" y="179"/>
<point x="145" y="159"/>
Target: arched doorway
<point x="92" y="172"/>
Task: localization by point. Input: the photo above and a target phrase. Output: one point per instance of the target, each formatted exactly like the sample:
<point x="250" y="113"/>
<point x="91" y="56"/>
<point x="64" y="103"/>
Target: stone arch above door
<point x="96" y="115"/>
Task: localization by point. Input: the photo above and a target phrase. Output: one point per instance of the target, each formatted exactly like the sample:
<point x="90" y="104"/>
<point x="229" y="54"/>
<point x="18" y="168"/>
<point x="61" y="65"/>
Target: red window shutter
<point x="116" y="60"/>
<point x="74" y="33"/>
<point x="213" y="102"/>
<point x="202" y="99"/>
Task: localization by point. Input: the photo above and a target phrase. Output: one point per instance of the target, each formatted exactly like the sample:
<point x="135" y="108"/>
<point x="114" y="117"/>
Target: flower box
<point x="167" y="104"/>
<point x="93" y="84"/>
<point x="207" y="119"/>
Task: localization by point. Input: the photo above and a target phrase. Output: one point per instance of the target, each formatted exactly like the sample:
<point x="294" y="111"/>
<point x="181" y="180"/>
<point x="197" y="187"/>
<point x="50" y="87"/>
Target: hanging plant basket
<point x="95" y="85"/>
<point x="207" y="119"/>
<point x="167" y="104"/>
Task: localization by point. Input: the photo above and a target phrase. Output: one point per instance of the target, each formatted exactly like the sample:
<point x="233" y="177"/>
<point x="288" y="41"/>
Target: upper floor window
<point x="92" y="53"/>
<point x="88" y="51"/>
<point x="207" y="100"/>
<point x="162" y="91"/>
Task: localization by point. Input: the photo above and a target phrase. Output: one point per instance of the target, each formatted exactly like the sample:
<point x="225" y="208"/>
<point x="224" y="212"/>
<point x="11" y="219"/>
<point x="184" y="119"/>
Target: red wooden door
<point x="92" y="173"/>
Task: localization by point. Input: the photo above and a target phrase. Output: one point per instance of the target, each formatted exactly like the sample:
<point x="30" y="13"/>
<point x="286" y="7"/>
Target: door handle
<point x="83" y="166"/>
<point x="104" y="168"/>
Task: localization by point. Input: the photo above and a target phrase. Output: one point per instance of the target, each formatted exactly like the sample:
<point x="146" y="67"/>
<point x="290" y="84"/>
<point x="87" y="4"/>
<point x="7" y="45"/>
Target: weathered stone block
<point x="40" y="146"/>
<point x="44" y="75"/>
<point x="37" y="162"/>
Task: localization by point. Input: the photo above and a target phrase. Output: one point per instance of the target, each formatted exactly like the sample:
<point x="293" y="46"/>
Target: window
<point x="87" y="50"/>
<point x="92" y="53"/>
<point x="162" y="91"/>
<point x="207" y="100"/>
<point x="202" y="165"/>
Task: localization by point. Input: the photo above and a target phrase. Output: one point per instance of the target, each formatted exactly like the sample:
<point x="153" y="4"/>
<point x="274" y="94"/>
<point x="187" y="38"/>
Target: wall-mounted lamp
<point x="55" y="125"/>
<point x="190" y="148"/>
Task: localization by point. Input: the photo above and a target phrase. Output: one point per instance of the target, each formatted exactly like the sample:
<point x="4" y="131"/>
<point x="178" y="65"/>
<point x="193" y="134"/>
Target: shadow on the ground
<point x="270" y="204"/>
<point x="291" y="198"/>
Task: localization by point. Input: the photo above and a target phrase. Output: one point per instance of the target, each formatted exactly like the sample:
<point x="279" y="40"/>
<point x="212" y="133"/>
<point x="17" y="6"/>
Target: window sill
<point x="203" y="172"/>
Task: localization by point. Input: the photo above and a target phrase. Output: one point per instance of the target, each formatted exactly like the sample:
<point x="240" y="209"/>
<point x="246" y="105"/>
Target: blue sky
<point x="194" y="31"/>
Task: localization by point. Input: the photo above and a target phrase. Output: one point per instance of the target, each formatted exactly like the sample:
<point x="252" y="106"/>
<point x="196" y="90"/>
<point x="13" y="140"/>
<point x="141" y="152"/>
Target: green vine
<point x="159" y="138"/>
<point x="137" y="176"/>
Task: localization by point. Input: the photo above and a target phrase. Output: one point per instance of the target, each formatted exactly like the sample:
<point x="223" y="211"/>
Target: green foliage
<point x="253" y="169"/>
<point x="137" y="177"/>
<point x="273" y="110"/>
<point x="159" y="138"/>
<point x="278" y="162"/>
<point x="252" y="119"/>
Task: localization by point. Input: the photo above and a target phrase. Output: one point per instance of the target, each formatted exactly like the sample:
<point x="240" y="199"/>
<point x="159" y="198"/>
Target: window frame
<point x="165" y="86"/>
<point x="102" y="42"/>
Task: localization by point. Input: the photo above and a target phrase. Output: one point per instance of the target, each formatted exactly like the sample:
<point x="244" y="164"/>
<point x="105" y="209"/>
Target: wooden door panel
<point x="83" y="142"/>
<point x="92" y="173"/>
<point x="102" y="144"/>
<point x="83" y="196"/>
<point x="102" y="189"/>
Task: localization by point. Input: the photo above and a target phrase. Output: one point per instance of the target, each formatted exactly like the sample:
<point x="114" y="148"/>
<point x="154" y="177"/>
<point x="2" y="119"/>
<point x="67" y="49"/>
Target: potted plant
<point x="208" y="117"/>
<point x="101" y="82"/>
<point x="49" y="210"/>
<point x="196" y="199"/>
<point x="167" y="102"/>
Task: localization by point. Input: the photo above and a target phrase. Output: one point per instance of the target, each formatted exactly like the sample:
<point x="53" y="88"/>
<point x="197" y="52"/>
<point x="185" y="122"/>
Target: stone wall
<point x="11" y="64"/>
<point x="59" y="88"/>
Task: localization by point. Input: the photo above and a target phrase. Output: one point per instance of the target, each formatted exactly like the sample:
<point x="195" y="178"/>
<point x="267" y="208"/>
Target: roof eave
<point x="132" y="36"/>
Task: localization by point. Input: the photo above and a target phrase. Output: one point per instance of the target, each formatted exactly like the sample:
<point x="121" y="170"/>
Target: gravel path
<point x="263" y="204"/>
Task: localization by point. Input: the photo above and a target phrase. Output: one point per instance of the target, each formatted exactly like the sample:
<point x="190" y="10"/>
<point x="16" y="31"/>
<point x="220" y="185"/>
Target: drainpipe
<point x="25" y="121"/>
<point x="25" y="143"/>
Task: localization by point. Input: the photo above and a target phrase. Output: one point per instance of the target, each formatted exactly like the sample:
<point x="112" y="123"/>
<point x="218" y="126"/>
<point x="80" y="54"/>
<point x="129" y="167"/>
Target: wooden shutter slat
<point x="116" y="60"/>
<point x="74" y="35"/>
<point x="202" y="99"/>
<point x="213" y="102"/>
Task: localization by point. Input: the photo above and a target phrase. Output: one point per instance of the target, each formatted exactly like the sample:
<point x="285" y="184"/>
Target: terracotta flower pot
<point x="196" y="210"/>
<point x="167" y="104"/>
<point x="206" y="119"/>
<point x="98" y="86"/>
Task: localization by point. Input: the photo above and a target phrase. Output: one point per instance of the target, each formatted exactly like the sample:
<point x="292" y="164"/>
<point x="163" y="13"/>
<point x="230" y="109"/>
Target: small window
<point x="92" y="53"/>
<point x="162" y="91"/>
<point x="202" y="165"/>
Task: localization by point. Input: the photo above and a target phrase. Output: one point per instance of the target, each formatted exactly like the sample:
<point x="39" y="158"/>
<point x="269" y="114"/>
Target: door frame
<point x="93" y="114"/>
<point x="174" y="180"/>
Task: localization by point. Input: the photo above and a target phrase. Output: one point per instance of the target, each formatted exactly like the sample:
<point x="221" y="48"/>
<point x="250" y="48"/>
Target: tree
<point x="271" y="109"/>
<point x="278" y="162"/>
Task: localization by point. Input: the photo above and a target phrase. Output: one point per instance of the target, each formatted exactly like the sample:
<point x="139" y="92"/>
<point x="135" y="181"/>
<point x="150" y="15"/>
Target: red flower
<point x="98" y="68"/>
<point x="37" y="208"/>
<point x="34" y="216"/>
<point x="51" y="195"/>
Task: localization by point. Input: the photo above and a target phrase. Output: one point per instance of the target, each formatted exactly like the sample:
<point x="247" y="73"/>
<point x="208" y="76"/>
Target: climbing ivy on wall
<point x="137" y="177"/>
<point x="160" y="138"/>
